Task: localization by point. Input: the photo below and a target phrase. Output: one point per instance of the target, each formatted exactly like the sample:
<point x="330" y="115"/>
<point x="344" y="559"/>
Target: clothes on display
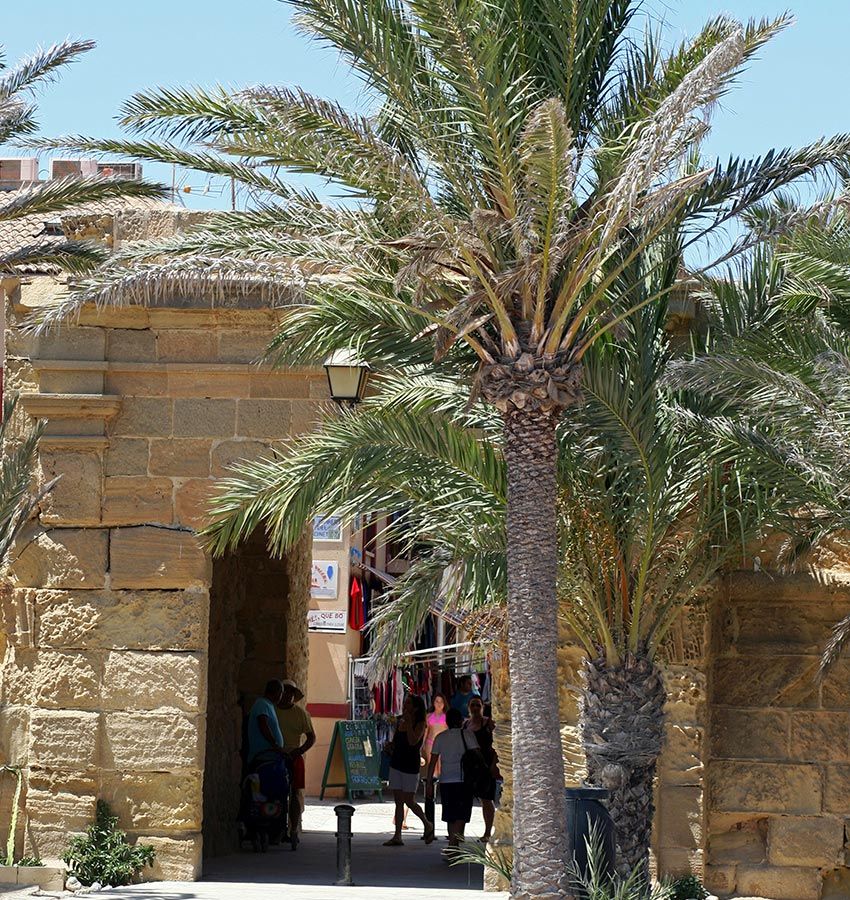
<point x="356" y="607"/>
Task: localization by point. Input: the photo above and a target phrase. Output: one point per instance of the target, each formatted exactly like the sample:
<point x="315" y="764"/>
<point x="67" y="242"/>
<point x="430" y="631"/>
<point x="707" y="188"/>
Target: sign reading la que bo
<point x="327" y="620"/>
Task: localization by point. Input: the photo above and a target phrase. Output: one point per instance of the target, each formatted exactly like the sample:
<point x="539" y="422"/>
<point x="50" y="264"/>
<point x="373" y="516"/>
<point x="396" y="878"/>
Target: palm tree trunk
<point x="539" y="813"/>
<point x="622" y="732"/>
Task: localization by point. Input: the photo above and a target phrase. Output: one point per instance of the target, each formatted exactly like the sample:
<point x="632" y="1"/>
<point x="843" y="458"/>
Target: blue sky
<point x="793" y="94"/>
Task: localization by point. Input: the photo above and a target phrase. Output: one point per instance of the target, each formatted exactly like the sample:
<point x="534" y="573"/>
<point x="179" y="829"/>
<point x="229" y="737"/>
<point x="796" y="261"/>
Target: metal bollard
<point x="344" y="812"/>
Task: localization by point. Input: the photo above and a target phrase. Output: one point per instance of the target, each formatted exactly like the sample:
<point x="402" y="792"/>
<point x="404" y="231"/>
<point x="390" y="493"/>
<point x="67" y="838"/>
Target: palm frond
<point x="41" y="66"/>
<point x="59" y="194"/>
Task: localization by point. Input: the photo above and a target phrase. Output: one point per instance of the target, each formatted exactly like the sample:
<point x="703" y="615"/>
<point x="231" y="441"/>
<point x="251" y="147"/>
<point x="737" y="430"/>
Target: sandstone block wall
<point x="105" y="623"/>
<point x="779" y="771"/>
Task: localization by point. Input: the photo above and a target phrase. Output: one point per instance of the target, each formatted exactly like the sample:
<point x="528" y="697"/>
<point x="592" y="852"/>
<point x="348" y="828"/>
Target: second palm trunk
<point x="622" y="733"/>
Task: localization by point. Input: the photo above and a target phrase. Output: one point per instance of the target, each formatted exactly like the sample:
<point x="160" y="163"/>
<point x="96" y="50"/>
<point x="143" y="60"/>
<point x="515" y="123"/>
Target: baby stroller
<point x="265" y="800"/>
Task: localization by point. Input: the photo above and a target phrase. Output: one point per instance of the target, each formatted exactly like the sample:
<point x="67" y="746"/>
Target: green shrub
<point x="687" y="888"/>
<point x="595" y="885"/>
<point x="103" y="853"/>
<point x="29" y="861"/>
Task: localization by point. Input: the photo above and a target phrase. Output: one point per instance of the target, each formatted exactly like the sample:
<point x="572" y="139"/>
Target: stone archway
<point x="257" y="631"/>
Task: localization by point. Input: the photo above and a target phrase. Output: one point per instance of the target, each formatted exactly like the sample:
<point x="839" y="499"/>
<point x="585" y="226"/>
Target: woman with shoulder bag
<point x="456" y="789"/>
<point x="485" y="789"/>
<point x="405" y="766"/>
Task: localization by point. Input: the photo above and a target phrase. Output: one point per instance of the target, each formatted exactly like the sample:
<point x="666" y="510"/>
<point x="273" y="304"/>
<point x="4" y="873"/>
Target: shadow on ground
<point x="415" y="865"/>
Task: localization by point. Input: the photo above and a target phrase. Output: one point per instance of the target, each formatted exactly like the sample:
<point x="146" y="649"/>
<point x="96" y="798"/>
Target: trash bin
<point x="586" y="816"/>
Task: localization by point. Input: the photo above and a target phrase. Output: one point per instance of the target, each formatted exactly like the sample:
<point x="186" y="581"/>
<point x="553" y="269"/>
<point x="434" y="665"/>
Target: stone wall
<point x="779" y="769"/>
<point x="103" y="686"/>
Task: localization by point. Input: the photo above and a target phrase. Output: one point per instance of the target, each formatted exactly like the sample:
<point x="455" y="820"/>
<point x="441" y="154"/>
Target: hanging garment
<point x="356" y="612"/>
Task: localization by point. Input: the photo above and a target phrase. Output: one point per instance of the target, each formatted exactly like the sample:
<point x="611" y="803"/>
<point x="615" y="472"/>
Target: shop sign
<point x="324" y="579"/>
<point x="327" y="620"/>
<point x="328" y="529"/>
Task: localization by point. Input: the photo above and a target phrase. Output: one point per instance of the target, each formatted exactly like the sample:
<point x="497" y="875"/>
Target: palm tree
<point x="654" y="500"/>
<point x="18" y="85"/>
<point x="517" y="159"/>
<point x="780" y="333"/>
<point x="17" y="471"/>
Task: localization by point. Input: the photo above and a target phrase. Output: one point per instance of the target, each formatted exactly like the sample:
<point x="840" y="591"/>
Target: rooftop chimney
<point x="14" y="173"/>
<point x="62" y="168"/>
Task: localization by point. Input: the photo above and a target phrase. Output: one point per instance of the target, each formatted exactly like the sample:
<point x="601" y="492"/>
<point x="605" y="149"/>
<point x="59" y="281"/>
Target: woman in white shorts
<point x="404" y="767"/>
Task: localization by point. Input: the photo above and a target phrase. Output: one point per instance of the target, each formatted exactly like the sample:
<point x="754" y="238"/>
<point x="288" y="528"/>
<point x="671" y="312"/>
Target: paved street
<point x="412" y="872"/>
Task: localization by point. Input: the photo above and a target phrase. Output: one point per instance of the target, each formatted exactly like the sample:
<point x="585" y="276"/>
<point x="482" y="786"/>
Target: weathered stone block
<point x="149" y="557"/>
<point x="19" y="667"/>
<point x="141" y="680"/>
<point x="835" y="692"/>
<point x="782" y="681"/>
<point x="60" y="809"/>
<point x="143" y="417"/>
<point x="785" y="883"/>
<point x="209" y="384"/>
<point x="744" y="842"/>
<point x="764" y="787"/>
<point x="19" y="376"/>
<point x="319" y="389"/>
<point x="836" y="796"/>
<point x="788" y="628"/>
<point x="798" y="841"/>
<point x="159" y="742"/>
<point x="145" y="383"/>
<point x="131" y="344"/>
<point x="126" y="456"/>
<point x="67" y="679"/>
<point x="53" y="781"/>
<point x="63" y="740"/>
<point x="750" y="733"/>
<point x="176" y="860"/>
<point x="682" y="757"/>
<point x="149" y="620"/>
<point x="137" y="499"/>
<point x="820" y="736"/>
<point x="183" y="457"/>
<point x="71" y="381"/>
<point x="70" y="342"/>
<point x="204" y="418"/>
<point x="155" y="800"/>
<point x="795" y="588"/>
<point x="241" y="346"/>
<point x="48" y="844"/>
<point x="264" y="418"/>
<point x="686" y="695"/>
<point x="226" y="453"/>
<point x="14" y="734"/>
<point x="277" y="384"/>
<point x="673" y="862"/>
<point x="721" y="879"/>
<point x="63" y="558"/>
<point x="74" y="498"/>
<point x="191" y="502"/>
<point x="305" y="416"/>
<point x="680" y="817"/>
<point x="186" y="346"/>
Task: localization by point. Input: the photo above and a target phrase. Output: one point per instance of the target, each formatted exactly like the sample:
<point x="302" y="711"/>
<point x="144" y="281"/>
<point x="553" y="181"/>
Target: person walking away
<point x="455" y="795"/>
<point x="465" y="692"/>
<point x="482" y="727"/>
<point x="405" y="767"/>
<point x="435" y="721"/>
<point x="296" y="728"/>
